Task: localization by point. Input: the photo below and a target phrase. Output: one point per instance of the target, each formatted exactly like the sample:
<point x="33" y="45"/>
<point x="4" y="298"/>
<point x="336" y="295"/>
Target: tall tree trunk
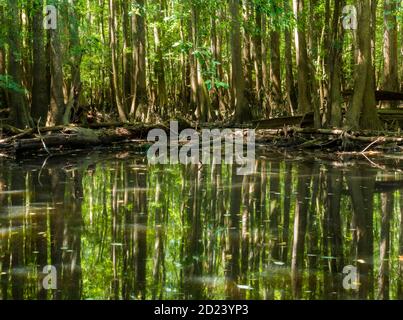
<point x="75" y="62"/>
<point x="242" y="112"/>
<point x="289" y="75"/>
<point x="258" y="61"/>
<point x="113" y="42"/>
<point x="304" y="100"/>
<point x="162" y="99"/>
<point x="141" y="104"/>
<point x="57" y="104"/>
<point x="127" y="57"/>
<point x="40" y="92"/>
<point x="19" y="115"/>
<point x="275" y="71"/>
<point x="362" y="113"/>
<point x="390" y="50"/>
<point x="3" y="67"/>
<point x="334" y="66"/>
<point x="266" y="108"/>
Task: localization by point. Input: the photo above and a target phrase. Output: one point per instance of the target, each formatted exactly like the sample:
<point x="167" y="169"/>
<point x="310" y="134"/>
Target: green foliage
<point x="7" y="83"/>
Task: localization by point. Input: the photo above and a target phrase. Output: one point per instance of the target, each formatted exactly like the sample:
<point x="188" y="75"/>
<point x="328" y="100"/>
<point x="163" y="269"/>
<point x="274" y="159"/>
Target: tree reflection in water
<point x="115" y="228"/>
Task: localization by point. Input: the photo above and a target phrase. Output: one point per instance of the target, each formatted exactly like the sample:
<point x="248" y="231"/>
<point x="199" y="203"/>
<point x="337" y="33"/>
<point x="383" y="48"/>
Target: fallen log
<point x="388" y="186"/>
<point x="305" y="121"/>
<point x="79" y="137"/>
<point x="380" y="95"/>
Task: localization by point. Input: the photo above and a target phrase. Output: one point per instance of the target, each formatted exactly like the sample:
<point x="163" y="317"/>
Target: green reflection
<point x="116" y="228"/>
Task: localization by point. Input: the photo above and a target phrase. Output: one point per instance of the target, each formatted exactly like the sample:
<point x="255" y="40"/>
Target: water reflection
<point x="115" y="228"/>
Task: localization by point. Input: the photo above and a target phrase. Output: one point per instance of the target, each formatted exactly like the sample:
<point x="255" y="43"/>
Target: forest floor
<point x="56" y="140"/>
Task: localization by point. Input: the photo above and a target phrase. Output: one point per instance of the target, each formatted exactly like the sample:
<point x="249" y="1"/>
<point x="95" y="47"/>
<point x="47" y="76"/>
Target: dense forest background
<point x="204" y="60"/>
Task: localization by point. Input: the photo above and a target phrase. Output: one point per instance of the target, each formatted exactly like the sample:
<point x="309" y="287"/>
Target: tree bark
<point x="390" y="50"/>
<point x="141" y="105"/>
<point x="40" y="92"/>
<point x="115" y="69"/>
<point x="19" y="115"/>
<point x="362" y="113"/>
<point x="242" y="112"/>
<point x="304" y="100"/>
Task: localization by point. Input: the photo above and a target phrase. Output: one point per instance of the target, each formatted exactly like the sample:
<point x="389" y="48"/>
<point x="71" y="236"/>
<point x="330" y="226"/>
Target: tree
<point x="362" y="112"/>
<point x="141" y="98"/>
<point x="117" y="89"/>
<point x="242" y="112"/>
<point x="19" y="111"/>
<point x="390" y="49"/>
<point x="304" y="100"/>
<point x="40" y="88"/>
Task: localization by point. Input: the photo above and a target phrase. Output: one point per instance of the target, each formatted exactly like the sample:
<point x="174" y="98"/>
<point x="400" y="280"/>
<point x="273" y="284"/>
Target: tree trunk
<point x="304" y="101"/>
<point x="362" y="113"/>
<point x="289" y="75"/>
<point x="390" y="50"/>
<point x="334" y="66"/>
<point x="141" y="105"/>
<point x="242" y="112"/>
<point x="75" y="62"/>
<point x="19" y="115"/>
<point x="40" y="92"/>
<point x="162" y="99"/>
<point x="127" y="58"/>
<point x="115" y="69"/>
<point x="275" y="71"/>
<point x="3" y="68"/>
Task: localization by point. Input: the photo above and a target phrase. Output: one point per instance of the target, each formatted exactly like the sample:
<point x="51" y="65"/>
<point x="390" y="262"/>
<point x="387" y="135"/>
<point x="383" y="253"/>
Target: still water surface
<point x="116" y="228"/>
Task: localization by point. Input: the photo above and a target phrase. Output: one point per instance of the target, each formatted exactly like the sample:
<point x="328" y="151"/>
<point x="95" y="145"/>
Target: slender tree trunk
<point x="390" y="50"/>
<point x="162" y="98"/>
<point x="3" y="67"/>
<point x="304" y="100"/>
<point x="141" y="106"/>
<point x="127" y="57"/>
<point x="40" y="93"/>
<point x="242" y="112"/>
<point x="258" y="61"/>
<point x="113" y="42"/>
<point x="75" y="62"/>
<point x="266" y="108"/>
<point x="275" y="71"/>
<point x="334" y="66"/>
<point x="19" y="115"/>
<point x="289" y="75"/>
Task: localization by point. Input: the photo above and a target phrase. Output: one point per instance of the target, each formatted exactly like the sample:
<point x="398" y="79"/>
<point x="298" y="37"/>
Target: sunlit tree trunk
<point x="362" y="113"/>
<point x="390" y="49"/>
<point x="141" y="105"/>
<point x="162" y="99"/>
<point x="304" y="100"/>
<point x="275" y="71"/>
<point x="242" y="112"/>
<point x="19" y="115"/>
<point x="334" y="66"/>
<point x="113" y="42"/>
<point x="40" y="92"/>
